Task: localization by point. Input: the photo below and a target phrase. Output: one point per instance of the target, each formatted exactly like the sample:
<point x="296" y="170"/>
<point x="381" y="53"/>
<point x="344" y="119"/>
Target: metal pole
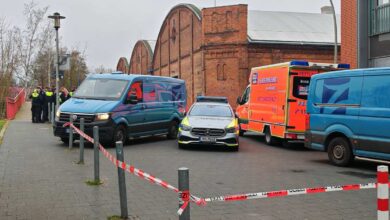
<point x="121" y="181"/>
<point x="49" y="111"/>
<point x="53" y="113"/>
<point x="57" y="69"/>
<point x="335" y="33"/>
<point x="70" y="132"/>
<point x="81" y="142"/>
<point x="96" y="152"/>
<point x="184" y="186"/>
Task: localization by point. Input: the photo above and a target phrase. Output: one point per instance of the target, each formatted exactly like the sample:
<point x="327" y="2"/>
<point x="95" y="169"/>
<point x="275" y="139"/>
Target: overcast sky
<point x="109" y="29"/>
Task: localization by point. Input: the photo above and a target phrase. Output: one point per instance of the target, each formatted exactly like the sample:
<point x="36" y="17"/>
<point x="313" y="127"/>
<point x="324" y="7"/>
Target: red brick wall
<point x="178" y="50"/>
<point x="225" y="50"/>
<point x="349" y="32"/>
<point x="122" y="65"/>
<point x="141" y="58"/>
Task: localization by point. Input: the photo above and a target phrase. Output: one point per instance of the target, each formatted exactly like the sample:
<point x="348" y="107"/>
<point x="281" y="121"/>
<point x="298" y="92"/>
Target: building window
<point x="380" y="17"/>
<point x="221" y="75"/>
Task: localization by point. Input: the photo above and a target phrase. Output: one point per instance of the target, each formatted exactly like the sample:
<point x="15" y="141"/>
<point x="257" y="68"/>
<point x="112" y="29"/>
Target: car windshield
<point x="104" y="89"/>
<point x="211" y="110"/>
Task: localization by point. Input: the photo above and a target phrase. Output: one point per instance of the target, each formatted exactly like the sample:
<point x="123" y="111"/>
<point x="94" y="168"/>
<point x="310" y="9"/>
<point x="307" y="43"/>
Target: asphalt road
<point x="39" y="179"/>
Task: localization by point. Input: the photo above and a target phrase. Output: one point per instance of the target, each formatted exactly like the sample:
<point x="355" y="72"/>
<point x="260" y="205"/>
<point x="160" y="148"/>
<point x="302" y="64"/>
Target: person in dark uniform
<point x="47" y="100"/>
<point x="42" y="99"/>
<point x="35" y="106"/>
<point x="71" y="93"/>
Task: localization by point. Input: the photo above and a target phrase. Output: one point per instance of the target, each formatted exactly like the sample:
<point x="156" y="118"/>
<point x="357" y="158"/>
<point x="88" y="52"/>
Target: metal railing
<point x="380" y="19"/>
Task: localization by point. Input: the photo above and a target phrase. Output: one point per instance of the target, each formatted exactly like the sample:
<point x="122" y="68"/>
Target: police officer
<point x="47" y="100"/>
<point x="42" y="99"/>
<point x="35" y="106"/>
<point x="64" y="95"/>
<point x="72" y="92"/>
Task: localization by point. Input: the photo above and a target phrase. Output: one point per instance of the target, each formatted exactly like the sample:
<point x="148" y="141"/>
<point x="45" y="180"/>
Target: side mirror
<point x="132" y="99"/>
<point x="239" y="100"/>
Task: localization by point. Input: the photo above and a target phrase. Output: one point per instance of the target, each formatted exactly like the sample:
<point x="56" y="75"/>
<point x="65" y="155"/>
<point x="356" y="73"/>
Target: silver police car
<point x="210" y="121"/>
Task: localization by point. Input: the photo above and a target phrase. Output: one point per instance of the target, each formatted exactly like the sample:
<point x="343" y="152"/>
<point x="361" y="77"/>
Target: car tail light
<point x="307" y="121"/>
<point x="291" y="136"/>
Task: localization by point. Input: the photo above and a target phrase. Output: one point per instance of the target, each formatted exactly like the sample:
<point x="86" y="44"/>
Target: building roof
<point x="151" y="44"/>
<point x="291" y="28"/>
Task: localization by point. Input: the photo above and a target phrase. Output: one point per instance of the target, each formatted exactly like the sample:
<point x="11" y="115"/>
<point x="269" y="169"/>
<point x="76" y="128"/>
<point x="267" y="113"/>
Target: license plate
<point x="67" y="131"/>
<point x="301" y="136"/>
<point x="208" y="139"/>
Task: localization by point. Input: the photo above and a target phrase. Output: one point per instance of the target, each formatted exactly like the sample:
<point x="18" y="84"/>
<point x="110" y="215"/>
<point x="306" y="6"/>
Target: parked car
<point x="349" y="115"/>
<point x="125" y="106"/>
<point x="210" y="121"/>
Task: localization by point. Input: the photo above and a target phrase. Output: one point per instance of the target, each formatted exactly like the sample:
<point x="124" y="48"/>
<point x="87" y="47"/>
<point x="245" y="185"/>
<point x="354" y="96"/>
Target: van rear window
<point x="301" y="87"/>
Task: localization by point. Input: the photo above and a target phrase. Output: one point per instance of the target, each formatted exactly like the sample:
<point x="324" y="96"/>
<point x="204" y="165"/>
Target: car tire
<point x="340" y="152"/>
<point x="120" y="134"/>
<point x="65" y="140"/>
<point x="173" y="130"/>
<point x="181" y="146"/>
<point x="269" y="140"/>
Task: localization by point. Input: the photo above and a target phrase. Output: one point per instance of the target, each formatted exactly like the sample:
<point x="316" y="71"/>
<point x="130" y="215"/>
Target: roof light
<point x="299" y="63"/>
<point x="343" y="66"/>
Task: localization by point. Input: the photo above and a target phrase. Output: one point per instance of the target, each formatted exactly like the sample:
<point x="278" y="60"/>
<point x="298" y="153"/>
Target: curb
<point x="2" y="132"/>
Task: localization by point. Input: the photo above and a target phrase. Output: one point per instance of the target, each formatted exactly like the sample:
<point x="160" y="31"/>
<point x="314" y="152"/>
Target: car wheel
<point x="181" y="146"/>
<point x="172" y="130"/>
<point x="65" y="140"/>
<point x="339" y="152"/>
<point x="119" y="135"/>
<point x="269" y="140"/>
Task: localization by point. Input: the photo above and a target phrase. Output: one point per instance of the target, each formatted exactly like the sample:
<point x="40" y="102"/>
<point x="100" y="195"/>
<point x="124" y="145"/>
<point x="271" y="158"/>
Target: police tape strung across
<point x="290" y="192"/>
<point x="185" y="196"/>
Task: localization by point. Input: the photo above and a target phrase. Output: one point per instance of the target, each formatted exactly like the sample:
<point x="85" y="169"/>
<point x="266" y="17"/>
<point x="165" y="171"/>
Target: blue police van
<point x="125" y="106"/>
<point x="349" y="115"/>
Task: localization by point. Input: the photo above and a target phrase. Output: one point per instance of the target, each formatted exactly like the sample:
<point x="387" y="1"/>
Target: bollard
<point x="53" y="113"/>
<point x="184" y="186"/>
<point x="96" y="153"/>
<point x="81" y="142"/>
<point x="70" y="132"/>
<point x="383" y="192"/>
<point x="121" y="180"/>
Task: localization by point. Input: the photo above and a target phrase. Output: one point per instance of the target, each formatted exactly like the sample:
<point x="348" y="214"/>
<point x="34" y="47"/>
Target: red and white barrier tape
<point x="185" y="197"/>
<point x="138" y="172"/>
<point x="290" y="192"/>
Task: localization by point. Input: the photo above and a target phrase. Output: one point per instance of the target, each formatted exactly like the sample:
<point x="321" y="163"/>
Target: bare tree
<point x="36" y="37"/>
<point x="9" y="59"/>
<point x="102" y="69"/>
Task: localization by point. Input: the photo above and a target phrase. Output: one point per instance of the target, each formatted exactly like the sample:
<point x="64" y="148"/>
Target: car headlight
<point x="231" y="130"/>
<point x="185" y="127"/>
<point x="102" y="116"/>
<point x="58" y="113"/>
<point x="232" y="127"/>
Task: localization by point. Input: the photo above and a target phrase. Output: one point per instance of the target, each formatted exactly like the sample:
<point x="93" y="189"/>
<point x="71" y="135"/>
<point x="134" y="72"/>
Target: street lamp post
<point x="335" y="31"/>
<point x="57" y="17"/>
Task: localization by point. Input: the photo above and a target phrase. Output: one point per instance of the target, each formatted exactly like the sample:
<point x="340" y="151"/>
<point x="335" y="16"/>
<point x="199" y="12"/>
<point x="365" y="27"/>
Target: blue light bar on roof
<point x="343" y="66"/>
<point x="299" y="63"/>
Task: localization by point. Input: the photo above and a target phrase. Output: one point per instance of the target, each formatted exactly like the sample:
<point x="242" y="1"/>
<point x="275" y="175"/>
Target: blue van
<point x="349" y="115"/>
<point x="125" y="106"/>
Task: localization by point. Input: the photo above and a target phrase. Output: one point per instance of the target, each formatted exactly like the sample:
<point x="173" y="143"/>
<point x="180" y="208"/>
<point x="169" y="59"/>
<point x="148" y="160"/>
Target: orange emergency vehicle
<point x="274" y="103"/>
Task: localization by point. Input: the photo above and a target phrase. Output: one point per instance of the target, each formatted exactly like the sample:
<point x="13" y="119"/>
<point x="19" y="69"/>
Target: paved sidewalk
<point x="39" y="179"/>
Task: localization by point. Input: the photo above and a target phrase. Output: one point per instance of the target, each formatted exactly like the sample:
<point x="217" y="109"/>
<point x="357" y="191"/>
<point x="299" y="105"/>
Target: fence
<point x="15" y="99"/>
<point x="183" y="191"/>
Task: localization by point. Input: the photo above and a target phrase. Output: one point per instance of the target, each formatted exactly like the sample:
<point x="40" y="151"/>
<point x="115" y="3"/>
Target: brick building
<point x="213" y="49"/>
<point x="365" y="33"/>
